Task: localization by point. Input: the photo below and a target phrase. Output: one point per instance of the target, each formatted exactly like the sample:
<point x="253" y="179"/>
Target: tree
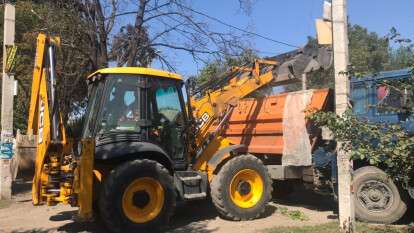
<point x="401" y="58"/>
<point x="172" y="25"/>
<point x="33" y="17"/>
<point x="369" y="53"/>
<point x="212" y="71"/>
<point x="86" y="28"/>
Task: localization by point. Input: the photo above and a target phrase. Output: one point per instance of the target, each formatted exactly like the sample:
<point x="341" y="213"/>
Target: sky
<point x="293" y="21"/>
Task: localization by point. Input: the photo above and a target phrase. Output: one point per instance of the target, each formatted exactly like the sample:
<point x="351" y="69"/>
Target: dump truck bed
<point x="260" y="123"/>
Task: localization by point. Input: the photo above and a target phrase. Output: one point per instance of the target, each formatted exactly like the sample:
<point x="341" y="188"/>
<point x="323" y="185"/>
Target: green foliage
<point x="332" y="227"/>
<point x="293" y="214"/>
<point x="25" y="21"/>
<point x="369" y="54"/>
<point x="386" y="145"/>
<point x="214" y="69"/>
<point x="33" y="17"/>
<point x="402" y="57"/>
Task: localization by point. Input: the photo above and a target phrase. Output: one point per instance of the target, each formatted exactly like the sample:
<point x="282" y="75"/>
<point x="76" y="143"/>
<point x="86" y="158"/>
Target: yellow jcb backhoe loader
<point x="144" y="147"/>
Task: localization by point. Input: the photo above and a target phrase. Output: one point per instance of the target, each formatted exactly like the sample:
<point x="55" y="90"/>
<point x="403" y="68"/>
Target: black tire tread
<point x="106" y="201"/>
<point x="400" y="210"/>
<point x="217" y="191"/>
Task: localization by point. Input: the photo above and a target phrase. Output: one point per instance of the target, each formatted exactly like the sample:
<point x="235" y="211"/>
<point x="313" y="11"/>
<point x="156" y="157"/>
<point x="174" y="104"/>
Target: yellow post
<point x="86" y="179"/>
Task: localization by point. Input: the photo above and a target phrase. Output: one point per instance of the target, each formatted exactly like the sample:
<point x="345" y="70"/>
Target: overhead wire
<point x="235" y="27"/>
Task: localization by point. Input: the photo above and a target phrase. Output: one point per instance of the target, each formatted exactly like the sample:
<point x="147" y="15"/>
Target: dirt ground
<point x="19" y="216"/>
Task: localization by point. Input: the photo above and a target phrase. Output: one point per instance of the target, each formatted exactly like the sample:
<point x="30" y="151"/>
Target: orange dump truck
<point x="275" y="129"/>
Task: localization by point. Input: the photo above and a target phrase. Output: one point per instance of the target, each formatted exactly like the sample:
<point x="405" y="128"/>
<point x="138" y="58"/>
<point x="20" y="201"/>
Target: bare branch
<point x="111" y="20"/>
<point x="191" y="50"/>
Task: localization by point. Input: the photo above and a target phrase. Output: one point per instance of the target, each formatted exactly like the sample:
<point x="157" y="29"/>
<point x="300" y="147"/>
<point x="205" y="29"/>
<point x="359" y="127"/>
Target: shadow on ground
<point x="309" y="199"/>
<point x="34" y="231"/>
<point x="408" y="218"/>
<point x="188" y="217"/>
<point x="21" y="186"/>
<point x="302" y="197"/>
<point x="192" y="217"/>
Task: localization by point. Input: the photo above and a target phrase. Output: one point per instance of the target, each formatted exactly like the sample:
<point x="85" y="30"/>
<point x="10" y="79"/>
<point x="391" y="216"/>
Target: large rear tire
<point x="377" y="198"/>
<point x="242" y="188"/>
<point x="137" y="196"/>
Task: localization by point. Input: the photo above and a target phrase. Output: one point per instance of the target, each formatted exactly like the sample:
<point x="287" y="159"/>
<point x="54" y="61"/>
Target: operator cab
<point x="133" y="108"/>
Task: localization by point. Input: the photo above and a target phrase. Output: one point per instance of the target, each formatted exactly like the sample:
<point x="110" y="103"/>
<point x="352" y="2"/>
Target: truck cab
<point x="377" y="198"/>
<point x="374" y="101"/>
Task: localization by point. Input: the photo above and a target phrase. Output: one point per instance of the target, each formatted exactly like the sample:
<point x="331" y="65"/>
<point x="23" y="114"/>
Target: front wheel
<point x="377" y="198"/>
<point x="137" y="196"/>
<point x="242" y="188"/>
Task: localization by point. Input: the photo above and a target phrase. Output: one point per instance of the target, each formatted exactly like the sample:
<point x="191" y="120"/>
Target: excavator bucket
<point x="295" y="63"/>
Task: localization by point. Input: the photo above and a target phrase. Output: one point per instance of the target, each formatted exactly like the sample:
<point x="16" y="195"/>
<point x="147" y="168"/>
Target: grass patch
<point x="293" y="214"/>
<point x="333" y="228"/>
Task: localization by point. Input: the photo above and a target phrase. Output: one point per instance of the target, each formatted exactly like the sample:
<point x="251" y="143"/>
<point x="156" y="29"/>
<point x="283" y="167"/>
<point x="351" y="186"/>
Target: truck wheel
<point x="242" y="188"/>
<point x="137" y="196"/>
<point x="377" y="198"/>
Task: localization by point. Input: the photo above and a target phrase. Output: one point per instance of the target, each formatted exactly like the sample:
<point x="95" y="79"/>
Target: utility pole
<point x="7" y="106"/>
<point x="304" y="78"/>
<point x="341" y="59"/>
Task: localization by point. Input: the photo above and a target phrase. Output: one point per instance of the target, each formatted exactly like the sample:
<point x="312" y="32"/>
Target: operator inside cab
<point x="121" y="106"/>
<point x="149" y="107"/>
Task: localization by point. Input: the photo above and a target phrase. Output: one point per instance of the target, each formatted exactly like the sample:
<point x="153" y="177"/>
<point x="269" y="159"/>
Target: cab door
<point x="169" y="118"/>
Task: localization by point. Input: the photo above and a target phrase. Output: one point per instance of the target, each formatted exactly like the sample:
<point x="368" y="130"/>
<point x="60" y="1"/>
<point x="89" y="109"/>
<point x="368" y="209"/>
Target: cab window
<point x="121" y="109"/>
<point x="168" y="104"/>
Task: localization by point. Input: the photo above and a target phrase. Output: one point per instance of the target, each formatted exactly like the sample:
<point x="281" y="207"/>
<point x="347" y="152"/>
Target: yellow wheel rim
<point x="246" y="188"/>
<point x="143" y="200"/>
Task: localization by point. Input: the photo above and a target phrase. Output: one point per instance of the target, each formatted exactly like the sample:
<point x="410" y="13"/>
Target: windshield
<point x="121" y="105"/>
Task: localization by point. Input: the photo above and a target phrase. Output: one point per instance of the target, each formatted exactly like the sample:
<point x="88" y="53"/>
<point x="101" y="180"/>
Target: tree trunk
<point x="139" y="20"/>
<point x="102" y="59"/>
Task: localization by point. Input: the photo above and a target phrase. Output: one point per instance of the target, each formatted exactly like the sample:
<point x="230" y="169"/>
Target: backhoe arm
<point x="277" y="70"/>
<point x="214" y="106"/>
<point x="45" y="120"/>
